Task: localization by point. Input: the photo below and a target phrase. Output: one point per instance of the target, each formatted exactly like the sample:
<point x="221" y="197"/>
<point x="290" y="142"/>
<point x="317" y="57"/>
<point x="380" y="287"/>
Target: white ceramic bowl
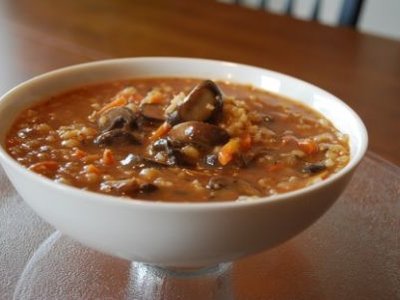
<point x="177" y="234"/>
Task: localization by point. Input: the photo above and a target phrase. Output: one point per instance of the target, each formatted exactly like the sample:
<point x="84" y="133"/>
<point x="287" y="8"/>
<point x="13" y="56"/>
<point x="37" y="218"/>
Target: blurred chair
<point x="371" y="16"/>
<point x="331" y="12"/>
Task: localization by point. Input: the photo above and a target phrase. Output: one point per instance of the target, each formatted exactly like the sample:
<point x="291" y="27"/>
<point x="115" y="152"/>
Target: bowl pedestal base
<point x="153" y="282"/>
<point x="61" y="268"/>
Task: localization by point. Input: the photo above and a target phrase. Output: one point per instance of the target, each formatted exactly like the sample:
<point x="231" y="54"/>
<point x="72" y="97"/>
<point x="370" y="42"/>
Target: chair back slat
<point x="330" y="12"/>
<point x="350" y="12"/>
<point x="304" y="9"/>
<point x="276" y="6"/>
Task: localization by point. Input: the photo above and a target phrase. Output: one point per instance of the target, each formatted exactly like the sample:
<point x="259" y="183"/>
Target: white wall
<point x="381" y="17"/>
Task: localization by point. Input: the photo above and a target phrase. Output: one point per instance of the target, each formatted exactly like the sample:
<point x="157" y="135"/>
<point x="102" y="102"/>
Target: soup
<point x="177" y="140"/>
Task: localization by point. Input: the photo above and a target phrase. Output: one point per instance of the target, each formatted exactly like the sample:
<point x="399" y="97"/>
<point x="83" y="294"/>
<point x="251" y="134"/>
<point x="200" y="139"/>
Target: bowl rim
<point x="128" y="202"/>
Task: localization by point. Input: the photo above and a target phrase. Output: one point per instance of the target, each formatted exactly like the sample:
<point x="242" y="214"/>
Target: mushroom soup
<point x="178" y="140"/>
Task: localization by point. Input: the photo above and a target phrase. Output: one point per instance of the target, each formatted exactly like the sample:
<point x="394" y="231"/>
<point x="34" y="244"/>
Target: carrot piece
<point x="233" y="146"/>
<point x="108" y="157"/>
<point x="117" y="102"/>
<point x="79" y="154"/>
<point x="308" y="146"/>
<point x="92" y="169"/>
<point x="227" y="152"/>
<point x="160" y="131"/>
<point x="44" y="166"/>
<point x="324" y="174"/>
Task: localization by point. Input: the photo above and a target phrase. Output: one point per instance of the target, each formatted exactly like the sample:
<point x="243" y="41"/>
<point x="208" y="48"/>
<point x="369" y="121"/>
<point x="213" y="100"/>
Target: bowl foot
<point x="154" y="282"/>
<point x="61" y="268"/>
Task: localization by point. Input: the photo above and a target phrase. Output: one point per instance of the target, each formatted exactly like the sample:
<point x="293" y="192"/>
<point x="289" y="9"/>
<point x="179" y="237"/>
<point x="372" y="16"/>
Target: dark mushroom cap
<point x="116" y="117"/>
<point x="172" y="153"/>
<point x="204" y="103"/>
<point x="198" y="133"/>
<point x="129" y="186"/>
<point x="314" y="168"/>
<point x="116" y="137"/>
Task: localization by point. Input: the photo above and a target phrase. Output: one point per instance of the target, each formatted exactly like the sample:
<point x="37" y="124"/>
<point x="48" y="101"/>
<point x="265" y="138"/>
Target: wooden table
<point x="355" y="247"/>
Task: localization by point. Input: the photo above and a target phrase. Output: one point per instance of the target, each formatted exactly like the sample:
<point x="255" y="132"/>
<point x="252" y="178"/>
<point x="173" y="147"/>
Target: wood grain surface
<point x="363" y="70"/>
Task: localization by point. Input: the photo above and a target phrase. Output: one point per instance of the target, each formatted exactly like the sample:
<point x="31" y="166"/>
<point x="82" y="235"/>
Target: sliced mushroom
<point x="128" y="186"/>
<point x="166" y="154"/>
<point x="240" y="185"/>
<point x="132" y="160"/>
<point x="162" y="144"/>
<point x="204" y="103"/>
<point x="116" y="118"/>
<point x="174" y="118"/>
<point x="169" y="161"/>
<point x="116" y="137"/>
<point x="314" y="168"/>
<point x="135" y="160"/>
<point x="198" y="133"/>
<point x="152" y="111"/>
